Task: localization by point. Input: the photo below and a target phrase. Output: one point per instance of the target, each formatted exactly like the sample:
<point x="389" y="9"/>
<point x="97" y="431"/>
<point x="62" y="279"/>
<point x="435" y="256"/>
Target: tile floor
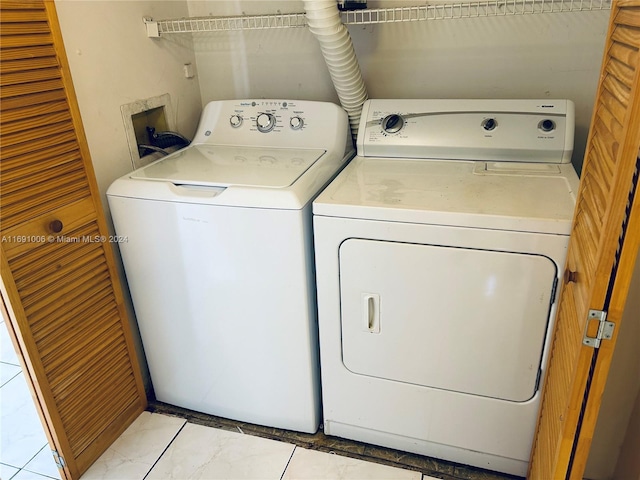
<point x="163" y="446"/>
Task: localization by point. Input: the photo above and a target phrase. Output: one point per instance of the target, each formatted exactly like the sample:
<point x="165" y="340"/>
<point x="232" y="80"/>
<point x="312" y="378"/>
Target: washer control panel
<point x="497" y="130"/>
<point x="272" y="122"/>
<point x="268" y="116"/>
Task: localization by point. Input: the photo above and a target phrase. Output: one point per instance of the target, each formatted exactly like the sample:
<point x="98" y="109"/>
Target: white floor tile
<point x="7" y="471"/>
<point x="133" y="454"/>
<point x="313" y="465"/>
<point x="7" y="372"/>
<point x="22" y="435"/>
<point x="207" y="453"/>
<point x="43" y="464"/>
<point x="26" y="475"/>
<point x="7" y="352"/>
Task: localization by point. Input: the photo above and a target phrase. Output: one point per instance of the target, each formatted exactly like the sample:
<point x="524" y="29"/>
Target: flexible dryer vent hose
<point x="323" y="18"/>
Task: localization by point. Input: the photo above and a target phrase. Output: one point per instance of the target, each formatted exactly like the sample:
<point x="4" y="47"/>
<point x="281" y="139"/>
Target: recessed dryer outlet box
<point x="153" y="112"/>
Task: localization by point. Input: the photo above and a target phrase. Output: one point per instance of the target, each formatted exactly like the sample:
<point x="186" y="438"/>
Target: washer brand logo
<point x="191" y="219"/>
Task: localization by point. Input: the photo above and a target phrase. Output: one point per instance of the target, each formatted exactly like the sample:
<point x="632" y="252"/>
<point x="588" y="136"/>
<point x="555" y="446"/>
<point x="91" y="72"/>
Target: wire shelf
<point x="214" y="24"/>
<point x="445" y="11"/>
<point x="433" y="11"/>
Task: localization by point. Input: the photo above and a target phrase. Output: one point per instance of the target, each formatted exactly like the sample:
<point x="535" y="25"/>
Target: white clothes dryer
<point x="217" y="250"/>
<point x="438" y="253"/>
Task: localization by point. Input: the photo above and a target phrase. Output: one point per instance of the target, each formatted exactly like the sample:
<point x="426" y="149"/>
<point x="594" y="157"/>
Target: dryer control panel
<point x="269" y="122"/>
<point x="487" y="130"/>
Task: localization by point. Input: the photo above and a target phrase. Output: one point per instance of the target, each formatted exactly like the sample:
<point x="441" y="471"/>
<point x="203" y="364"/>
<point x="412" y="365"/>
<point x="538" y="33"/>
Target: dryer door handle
<point x="371" y="308"/>
<point x="371" y="312"/>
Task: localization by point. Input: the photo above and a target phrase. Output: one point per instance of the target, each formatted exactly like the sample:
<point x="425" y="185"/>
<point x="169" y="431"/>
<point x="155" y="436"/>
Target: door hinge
<point x="58" y="459"/>
<point x="604" y="329"/>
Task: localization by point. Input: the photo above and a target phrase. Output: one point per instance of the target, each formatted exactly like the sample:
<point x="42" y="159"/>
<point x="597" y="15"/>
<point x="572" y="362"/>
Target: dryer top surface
<point x="496" y="195"/>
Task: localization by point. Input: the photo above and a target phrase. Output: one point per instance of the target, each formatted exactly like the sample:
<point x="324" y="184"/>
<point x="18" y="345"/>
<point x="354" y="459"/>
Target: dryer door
<point x="465" y="320"/>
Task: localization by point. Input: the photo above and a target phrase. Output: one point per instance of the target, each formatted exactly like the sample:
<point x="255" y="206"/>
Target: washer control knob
<point x="296" y="122"/>
<point x="489" y="124"/>
<point x="265" y="122"/>
<point x="392" y="123"/>
<point x="236" y="120"/>
<point x="547" y="125"/>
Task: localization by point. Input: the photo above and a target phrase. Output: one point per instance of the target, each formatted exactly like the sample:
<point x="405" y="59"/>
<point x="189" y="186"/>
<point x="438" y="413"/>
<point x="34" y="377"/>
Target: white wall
<point x="554" y="55"/>
<point x="276" y="63"/>
<point x="113" y="63"/>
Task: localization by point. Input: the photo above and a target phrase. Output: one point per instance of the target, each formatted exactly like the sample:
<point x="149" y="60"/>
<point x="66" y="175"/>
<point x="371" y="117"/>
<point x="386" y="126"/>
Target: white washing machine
<point x="438" y="253"/>
<point x="216" y="242"/>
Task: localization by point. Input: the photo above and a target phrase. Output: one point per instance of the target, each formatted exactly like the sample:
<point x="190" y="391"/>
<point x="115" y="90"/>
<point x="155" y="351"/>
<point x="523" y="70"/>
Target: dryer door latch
<point x="597" y="328"/>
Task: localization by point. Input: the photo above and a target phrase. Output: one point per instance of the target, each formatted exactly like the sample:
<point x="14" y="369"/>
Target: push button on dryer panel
<point x="547" y="125"/>
<point x="489" y="124"/>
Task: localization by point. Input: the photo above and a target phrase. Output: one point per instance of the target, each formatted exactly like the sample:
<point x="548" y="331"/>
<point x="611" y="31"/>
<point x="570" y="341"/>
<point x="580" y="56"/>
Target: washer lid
<point x="502" y="196"/>
<point x="225" y="166"/>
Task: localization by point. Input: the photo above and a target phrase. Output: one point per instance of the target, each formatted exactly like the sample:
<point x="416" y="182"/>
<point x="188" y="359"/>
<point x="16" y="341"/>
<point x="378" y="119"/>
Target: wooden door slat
<point x="58" y="167"/>
<point x="617" y="89"/>
<point x="74" y="321"/>
<point x="80" y="348"/>
<point x="15" y="103"/>
<point x="45" y="123"/>
<point x="23" y="27"/>
<point x="27" y="65"/>
<point x="26" y="53"/>
<point x="24" y="78"/>
<point x="44" y="297"/>
<point x="40" y="131"/>
<point x="625" y="54"/>
<point x="8" y="5"/>
<point x="44" y="320"/>
<point x="621" y="71"/>
<point x="42" y="143"/>
<point x="614" y="106"/>
<point x="35" y="40"/>
<point x="35" y="206"/>
<point x="118" y="398"/>
<point x="30" y="88"/>
<point x="607" y="123"/>
<point x="629" y="17"/>
<point x="9" y="16"/>
<point x="9" y="116"/>
<point x="626" y="35"/>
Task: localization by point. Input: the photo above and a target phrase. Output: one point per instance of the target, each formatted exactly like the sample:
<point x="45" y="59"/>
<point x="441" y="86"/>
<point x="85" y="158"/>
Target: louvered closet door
<point x="607" y="180"/>
<point x="59" y="283"/>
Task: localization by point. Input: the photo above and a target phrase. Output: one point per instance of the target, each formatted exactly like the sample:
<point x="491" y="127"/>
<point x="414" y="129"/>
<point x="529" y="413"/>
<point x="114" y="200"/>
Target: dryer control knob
<point x="392" y="123"/>
<point x="265" y="122"/>
<point x="235" y="120"/>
